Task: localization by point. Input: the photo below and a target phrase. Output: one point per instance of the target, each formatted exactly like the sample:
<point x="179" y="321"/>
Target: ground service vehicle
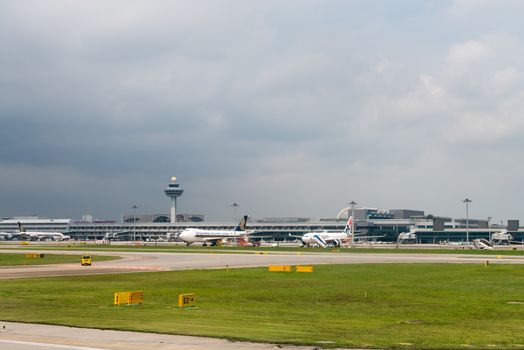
<point x="86" y="260"/>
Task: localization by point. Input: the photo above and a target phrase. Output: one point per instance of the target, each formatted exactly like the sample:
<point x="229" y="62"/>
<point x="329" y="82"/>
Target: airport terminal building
<point x="383" y="226"/>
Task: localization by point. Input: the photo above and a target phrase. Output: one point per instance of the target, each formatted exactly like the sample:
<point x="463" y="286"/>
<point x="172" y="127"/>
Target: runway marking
<point x="57" y="346"/>
<point x="140" y="268"/>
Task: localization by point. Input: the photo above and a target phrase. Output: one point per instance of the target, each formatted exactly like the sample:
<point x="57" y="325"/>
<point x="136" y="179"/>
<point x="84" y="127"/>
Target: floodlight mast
<point x="489" y="228"/>
<point x="352" y="203"/>
<point x="235" y="206"/>
<point x="134" y="207"/>
<point x="467" y="201"/>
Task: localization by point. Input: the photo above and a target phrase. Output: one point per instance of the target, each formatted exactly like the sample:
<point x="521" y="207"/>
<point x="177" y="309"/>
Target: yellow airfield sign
<point x="186" y="300"/>
<point x="129" y="298"/>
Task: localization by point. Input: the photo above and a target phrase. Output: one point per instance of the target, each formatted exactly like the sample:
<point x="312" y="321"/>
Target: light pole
<point x="134" y="207"/>
<point x="489" y="228"/>
<point x="467" y="201"/>
<point x="352" y="203"/>
<point x="235" y="206"/>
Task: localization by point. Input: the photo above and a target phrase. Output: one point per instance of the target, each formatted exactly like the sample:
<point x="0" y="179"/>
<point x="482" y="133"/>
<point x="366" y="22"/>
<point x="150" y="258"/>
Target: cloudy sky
<point x="289" y="108"/>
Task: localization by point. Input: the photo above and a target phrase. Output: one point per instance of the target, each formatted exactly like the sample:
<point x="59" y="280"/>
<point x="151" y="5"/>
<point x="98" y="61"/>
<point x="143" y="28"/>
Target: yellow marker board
<point x="186" y="300"/>
<point x="121" y="298"/>
<point x="304" y="268"/>
<point x="279" y="268"/>
<point x="129" y="298"/>
<point x="34" y="255"/>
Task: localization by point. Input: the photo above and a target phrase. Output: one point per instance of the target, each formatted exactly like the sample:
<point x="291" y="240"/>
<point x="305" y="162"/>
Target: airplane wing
<point x="211" y="239"/>
<point x="22" y="236"/>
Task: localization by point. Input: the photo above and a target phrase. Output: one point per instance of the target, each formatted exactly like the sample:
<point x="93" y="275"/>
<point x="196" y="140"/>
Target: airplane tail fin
<point x="20" y="227"/>
<point x="242" y="224"/>
<point x="320" y="241"/>
<point x="347" y="229"/>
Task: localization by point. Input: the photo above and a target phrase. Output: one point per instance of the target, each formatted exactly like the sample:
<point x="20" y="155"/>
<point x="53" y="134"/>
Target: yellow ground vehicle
<point x="86" y="260"/>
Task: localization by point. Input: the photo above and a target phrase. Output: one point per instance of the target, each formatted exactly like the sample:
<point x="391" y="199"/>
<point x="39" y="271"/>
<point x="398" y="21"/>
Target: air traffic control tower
<point x="173" y="191"/>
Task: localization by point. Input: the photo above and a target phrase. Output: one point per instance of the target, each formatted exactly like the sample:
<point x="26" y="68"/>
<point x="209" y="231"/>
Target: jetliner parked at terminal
<point x="502" y="237"/>
<point x="215" y="237"/>
<point x="5" y="236"/>
<point x="325" y="238"/>
<point x="39" y="235"/>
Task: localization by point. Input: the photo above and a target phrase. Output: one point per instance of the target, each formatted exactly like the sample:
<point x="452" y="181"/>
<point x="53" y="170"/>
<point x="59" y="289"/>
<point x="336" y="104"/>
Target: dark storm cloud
<point x="290" y="108"/>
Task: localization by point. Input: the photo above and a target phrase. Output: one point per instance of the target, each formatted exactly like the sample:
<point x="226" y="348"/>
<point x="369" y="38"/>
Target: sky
<point x="288" y="108"/>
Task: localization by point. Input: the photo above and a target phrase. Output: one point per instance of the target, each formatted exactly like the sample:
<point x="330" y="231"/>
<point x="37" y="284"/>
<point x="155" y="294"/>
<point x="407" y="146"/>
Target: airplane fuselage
<point x="325" y="238"/>
<point x="35" y="235"/>
<point x="40" y="235"/>
<point x="192" y="235"/>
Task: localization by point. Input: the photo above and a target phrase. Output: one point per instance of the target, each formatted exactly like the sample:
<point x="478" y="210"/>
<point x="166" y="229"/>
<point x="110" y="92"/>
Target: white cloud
<point x="473" y="8"/>
<point x="472" y="52"/>
<point x="506" y="80"/>
<point x="472" y="127"/>
<point x="428" y="98"/>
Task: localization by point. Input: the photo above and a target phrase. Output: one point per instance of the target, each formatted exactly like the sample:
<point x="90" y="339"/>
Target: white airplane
<point x="502" y="237"/>
<point x="40" y="235"/>
<point x="325" y="238"/>
<point x="5" y="236"/>
<point x="214" y="237"/>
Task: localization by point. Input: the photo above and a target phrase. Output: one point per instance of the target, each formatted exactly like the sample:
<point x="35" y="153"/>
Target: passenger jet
<point x="214" y="237"/>
<point x="40" y="235"/>
<point x="325" y="238"/>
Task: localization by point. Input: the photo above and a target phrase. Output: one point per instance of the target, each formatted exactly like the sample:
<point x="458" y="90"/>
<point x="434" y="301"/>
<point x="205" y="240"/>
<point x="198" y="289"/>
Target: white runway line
<point x="47" y="345"/>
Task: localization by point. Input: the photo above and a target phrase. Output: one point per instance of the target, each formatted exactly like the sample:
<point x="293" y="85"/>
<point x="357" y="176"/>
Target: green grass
<point x="20" y="259"/>
<point x="369" y="306"/>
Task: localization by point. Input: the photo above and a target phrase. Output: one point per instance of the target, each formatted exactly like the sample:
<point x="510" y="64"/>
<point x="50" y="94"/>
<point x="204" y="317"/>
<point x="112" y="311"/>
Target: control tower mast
<point x="173" y="191"/>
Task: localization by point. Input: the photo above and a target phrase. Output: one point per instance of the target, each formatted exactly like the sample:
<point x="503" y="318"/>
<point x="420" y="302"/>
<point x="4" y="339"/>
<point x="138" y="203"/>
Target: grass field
<point x="21" y="259"/>
<point x="370" y="306"/>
